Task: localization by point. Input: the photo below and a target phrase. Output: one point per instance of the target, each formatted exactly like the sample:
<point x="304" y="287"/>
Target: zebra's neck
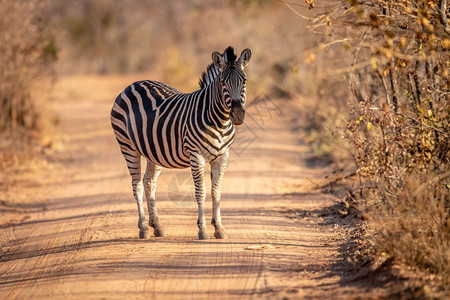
<point x="217" y="112"/>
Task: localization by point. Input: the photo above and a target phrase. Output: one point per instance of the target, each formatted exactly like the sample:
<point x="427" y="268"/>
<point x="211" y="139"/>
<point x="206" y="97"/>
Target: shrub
<point x="27" y="53"/>
<point x="397" y="56"/>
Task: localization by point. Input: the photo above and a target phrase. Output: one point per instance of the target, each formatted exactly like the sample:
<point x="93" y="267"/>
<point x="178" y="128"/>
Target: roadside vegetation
<point x="27" y="57"/>
<point x="396" y="62"/>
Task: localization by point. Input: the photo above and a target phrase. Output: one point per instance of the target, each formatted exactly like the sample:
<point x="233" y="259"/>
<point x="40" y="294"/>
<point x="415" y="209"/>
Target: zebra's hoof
<point x="220" y="233"/>
<point x="159" y="231"/>
<point x="203" y="235"/>
<point x="144" y="233"/>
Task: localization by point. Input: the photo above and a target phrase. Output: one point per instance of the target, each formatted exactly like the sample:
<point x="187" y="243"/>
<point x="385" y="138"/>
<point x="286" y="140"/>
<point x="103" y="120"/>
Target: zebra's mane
<point x="229" y="56"/>
<point x="208" y="76"/>
<point x="212" y="71"/>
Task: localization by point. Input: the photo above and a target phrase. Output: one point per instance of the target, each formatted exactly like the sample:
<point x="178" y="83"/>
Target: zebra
<point x="172" y="129"/>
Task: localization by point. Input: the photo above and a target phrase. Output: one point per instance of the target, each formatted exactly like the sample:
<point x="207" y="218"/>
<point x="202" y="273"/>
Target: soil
<point x="69" y="226"/>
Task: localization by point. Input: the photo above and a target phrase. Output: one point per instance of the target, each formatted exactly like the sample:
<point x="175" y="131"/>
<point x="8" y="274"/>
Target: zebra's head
<point x="232" y="81"/>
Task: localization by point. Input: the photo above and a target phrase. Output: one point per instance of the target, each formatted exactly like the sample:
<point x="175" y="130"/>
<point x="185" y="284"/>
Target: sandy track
<point x="72" y="231"/>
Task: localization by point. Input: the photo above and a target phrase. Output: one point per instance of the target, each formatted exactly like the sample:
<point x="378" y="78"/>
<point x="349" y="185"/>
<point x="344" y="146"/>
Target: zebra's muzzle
<point x="237" y="112"/>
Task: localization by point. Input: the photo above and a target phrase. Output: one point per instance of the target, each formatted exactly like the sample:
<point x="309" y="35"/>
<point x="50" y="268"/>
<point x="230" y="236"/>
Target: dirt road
<point x="70" y="231"/>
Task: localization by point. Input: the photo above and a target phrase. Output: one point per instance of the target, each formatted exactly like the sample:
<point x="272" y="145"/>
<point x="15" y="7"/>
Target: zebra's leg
<point x="198" y="173"/>
<point x="218" y="167"/>
<point x="134" y="167"/>
<point x="151" y="176"/>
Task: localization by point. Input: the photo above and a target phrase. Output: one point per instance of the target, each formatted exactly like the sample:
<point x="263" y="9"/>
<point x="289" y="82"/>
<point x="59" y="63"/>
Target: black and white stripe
<point x="172" y="129"/>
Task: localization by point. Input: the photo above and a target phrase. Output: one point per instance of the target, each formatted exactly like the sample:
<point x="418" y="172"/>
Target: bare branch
<point x="443" y="13"/>
<point x="296" y="12"/>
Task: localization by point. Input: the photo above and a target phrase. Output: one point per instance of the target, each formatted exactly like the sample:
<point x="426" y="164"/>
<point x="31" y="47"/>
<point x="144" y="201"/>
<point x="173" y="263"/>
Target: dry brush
<point x="396" y="60"/>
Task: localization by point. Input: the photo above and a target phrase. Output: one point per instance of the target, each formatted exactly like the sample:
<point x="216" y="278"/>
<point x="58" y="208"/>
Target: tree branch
<point x="443" y="13"/>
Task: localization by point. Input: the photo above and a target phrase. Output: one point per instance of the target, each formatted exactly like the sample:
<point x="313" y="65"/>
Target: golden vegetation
<point x="27" y="56"/>
<point x="27" y="53"/>
<point x="398" y="130"/>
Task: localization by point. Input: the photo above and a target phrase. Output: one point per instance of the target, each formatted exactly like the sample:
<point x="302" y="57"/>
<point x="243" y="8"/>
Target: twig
<point x="296" y="12"/>
<point x="443" y="13"/>
<point x="424" y="125"/>
<point x="347" y="69"/>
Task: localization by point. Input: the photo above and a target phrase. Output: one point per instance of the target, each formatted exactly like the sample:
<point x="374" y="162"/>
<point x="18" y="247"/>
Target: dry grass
<point x="413" y="226"/>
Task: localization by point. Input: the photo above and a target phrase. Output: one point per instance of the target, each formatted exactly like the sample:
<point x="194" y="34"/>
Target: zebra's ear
<point x="245" y="57"/>
<point x="218" y="60"/>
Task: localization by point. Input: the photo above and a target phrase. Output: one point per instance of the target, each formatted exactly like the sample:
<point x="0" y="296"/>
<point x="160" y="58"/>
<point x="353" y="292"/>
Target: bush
<point x="397" y="56"/>
<point x="27" y="53"/>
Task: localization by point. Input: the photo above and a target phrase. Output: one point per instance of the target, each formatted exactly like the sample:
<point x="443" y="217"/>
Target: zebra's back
<point x="146" y="119"/>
